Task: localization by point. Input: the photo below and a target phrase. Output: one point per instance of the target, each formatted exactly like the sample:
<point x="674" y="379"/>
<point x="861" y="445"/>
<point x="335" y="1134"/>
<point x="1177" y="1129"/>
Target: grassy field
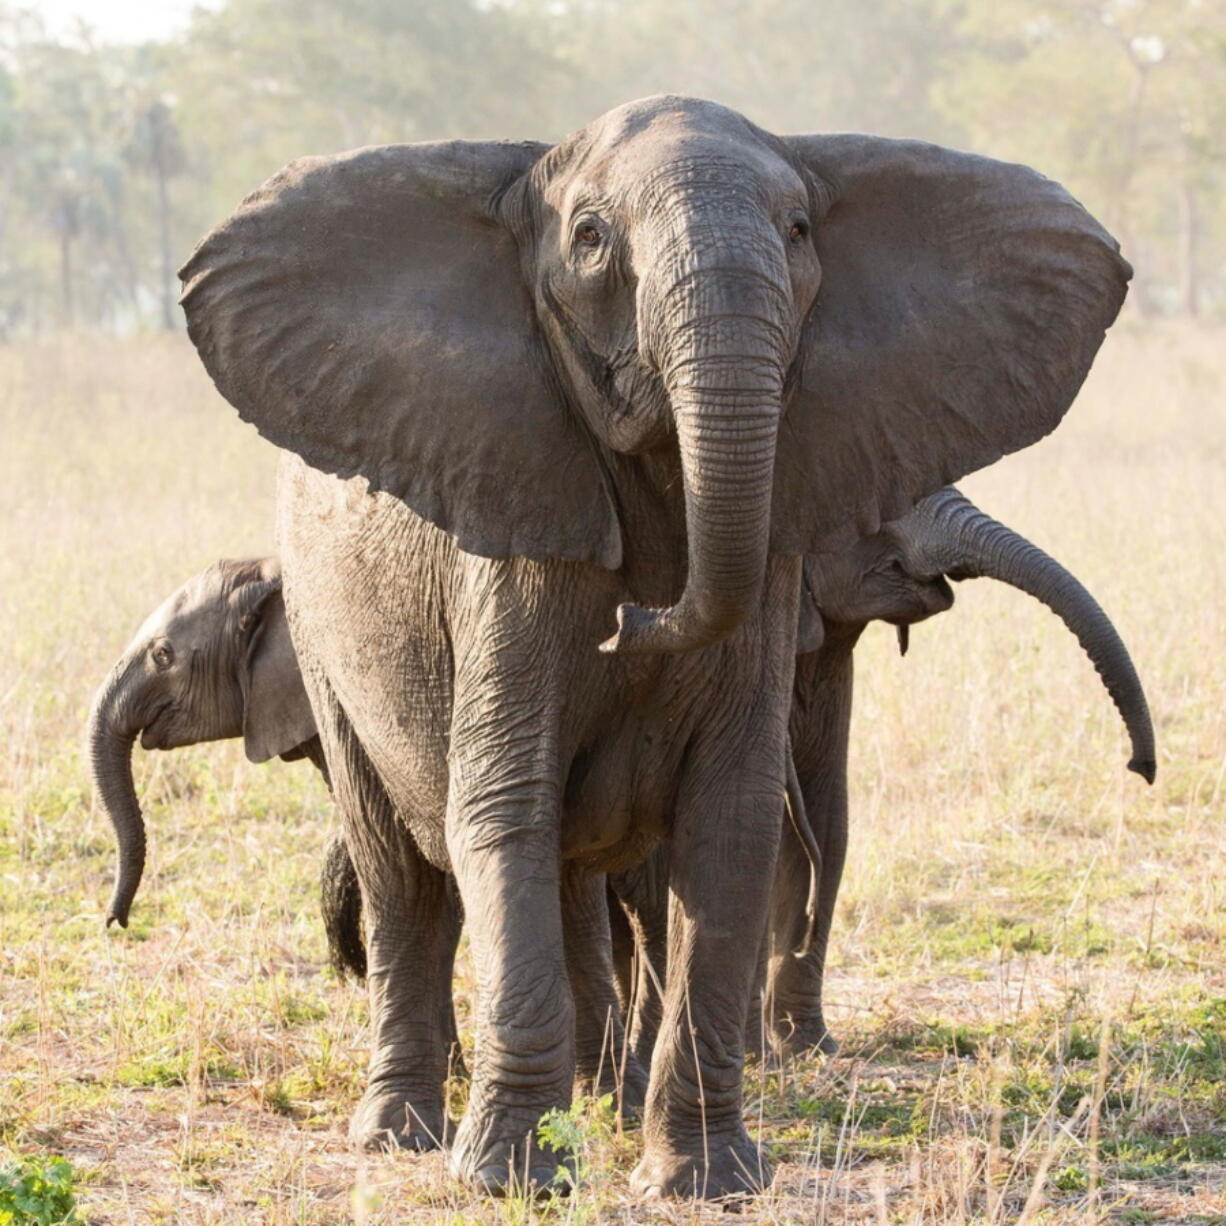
<point x="1030" y="959"/>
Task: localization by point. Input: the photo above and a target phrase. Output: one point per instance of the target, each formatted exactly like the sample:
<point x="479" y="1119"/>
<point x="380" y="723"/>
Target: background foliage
<point x="114" y="159"/>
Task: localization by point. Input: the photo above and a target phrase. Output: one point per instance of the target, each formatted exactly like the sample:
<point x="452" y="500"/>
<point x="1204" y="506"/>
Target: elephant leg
<point x="412" y="924"/>
<point x="724" y="838"/>
<point x="757" y="1027"/>
<point x="603" y="1063"/>
<point x="797" y="973"/>
<point x="503" y="829"/>
<point x="643" y="896"/>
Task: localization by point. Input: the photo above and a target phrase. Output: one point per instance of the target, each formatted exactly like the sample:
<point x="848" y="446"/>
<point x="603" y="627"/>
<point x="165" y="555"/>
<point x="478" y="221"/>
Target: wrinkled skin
<point x="898" y="576"/>
<point x="215" y="661"/>
<point x="208" y="664"/>
<point x="542" y="554"/>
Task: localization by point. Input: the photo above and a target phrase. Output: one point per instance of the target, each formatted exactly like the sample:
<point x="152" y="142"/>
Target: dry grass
<point x="1030" y="965"/>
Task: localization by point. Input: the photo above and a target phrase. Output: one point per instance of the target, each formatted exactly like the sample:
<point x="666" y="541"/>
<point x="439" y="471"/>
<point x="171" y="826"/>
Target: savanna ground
<point x="1030" y="959"/>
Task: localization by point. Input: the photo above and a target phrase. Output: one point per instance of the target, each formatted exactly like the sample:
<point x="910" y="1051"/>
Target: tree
<point x="155" y="149"/>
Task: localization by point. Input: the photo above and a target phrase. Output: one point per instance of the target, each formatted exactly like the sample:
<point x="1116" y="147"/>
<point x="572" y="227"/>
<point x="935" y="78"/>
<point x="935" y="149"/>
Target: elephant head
<point x="899" y="575"/>
<point x="810" y="333"/>
<point x="213" y="661"/>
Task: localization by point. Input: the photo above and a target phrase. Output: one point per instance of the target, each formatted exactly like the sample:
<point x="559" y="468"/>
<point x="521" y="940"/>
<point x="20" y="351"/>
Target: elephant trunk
<point x="722" y="361"/>
<point x="112" y="733"/>
<point x="951" y="535"/>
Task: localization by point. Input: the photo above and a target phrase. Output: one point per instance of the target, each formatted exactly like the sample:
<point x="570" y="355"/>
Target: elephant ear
<point x="277" y="716"/>
<point x="961" y="305"/>
<point x="369" y="312"/>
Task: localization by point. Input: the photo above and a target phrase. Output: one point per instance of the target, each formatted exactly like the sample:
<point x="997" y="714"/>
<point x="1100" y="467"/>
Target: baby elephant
<point x="898" y="576"/>
<point x="213" y="661"/>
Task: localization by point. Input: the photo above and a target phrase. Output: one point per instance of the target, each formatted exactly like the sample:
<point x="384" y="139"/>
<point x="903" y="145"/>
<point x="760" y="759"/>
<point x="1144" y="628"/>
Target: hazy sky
<point x="119" y="20"/>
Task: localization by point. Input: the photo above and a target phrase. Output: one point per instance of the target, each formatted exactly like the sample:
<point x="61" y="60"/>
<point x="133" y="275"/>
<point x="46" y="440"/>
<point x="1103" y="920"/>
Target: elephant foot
<point x="508" y="1160"/>
<point x="394" y="1115"/>
<point x="736" y="1168"/>
<point x="629" y="1090"/>
<point x="805" y="1037"/>
<point x="634" y="1092"/>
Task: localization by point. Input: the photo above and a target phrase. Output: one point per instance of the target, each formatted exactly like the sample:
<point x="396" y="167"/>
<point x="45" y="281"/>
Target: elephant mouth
<point x="934" y="596"/>
<point x="937" y="596"/>
<point x="156" y="734"/>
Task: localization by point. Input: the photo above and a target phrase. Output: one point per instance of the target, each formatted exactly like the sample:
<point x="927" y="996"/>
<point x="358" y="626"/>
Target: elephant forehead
<point x="168" y="613"/>
<point x="677" y="143"/>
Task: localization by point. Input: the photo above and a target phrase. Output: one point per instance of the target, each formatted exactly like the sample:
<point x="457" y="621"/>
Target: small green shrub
<point x="37" y="1191"/>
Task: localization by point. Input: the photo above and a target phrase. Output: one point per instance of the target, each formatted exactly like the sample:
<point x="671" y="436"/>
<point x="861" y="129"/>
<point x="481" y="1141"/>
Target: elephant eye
<point x="587" y="235"/>
<point x="163" y="655"/>
<point x="799" y="229"/>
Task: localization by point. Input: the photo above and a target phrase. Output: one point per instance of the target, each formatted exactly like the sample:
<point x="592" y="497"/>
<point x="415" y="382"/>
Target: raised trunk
<point x="112" y="734"/>
<point x="950" y="534"/>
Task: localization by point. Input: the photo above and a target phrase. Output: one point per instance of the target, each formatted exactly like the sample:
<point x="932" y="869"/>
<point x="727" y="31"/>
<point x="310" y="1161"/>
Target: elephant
<point x="212" y="661"/>
<point x="215" y="661"/>
<point x="560" y="424"/>
<point x="898" y="576"/>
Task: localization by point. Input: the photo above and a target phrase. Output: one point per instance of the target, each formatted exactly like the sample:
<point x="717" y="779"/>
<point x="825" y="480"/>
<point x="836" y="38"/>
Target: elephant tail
<point x="340" y="902"/>
<point x="794" y="803"/>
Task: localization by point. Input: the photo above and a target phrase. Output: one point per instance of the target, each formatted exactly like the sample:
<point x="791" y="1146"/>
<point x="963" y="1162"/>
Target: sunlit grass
<point x="1030" y="959"/>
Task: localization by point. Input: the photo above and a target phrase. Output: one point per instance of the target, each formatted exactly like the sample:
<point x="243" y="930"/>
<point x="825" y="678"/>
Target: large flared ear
<point x="961" y="305"/>
<point x="277" y="717"/>
<point x="369" y="312"/>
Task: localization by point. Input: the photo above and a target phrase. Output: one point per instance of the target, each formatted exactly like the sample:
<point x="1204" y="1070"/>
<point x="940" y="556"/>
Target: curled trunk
<point x="727" y="471"/>
<point x="722" y="359"/>
<point x="111" y="737"/>
<point x="949" y="534"/>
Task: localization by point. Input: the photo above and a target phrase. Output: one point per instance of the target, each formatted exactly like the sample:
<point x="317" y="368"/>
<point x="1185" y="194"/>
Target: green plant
<point x="37" y="1191"/>
<point x="573" y="1131"/>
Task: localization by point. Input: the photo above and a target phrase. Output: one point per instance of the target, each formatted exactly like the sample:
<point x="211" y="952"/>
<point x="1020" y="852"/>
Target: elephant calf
<point x="898" y="576"/>
<point x="213" y="661"/>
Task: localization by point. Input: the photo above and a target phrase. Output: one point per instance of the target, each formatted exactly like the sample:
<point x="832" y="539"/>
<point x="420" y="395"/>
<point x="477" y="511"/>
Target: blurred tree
<point x="1123" y="100"/>
<point x="112" y="159"/>
<point x="154" y="148"/>
<point x="69" y="175"/>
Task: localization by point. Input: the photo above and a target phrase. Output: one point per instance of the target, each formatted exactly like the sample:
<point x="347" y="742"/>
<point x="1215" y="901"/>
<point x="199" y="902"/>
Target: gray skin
<point x="898" y="576"/>
<point x="207" y="664"/>
<point x="230" y="619"/>
<point x="215" y="661"/>
<point x="542" y="553"/>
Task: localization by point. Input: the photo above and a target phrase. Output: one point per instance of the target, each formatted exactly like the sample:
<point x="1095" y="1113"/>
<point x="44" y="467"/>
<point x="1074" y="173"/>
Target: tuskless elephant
<point x="563" y="422"/>
<point x="899" y="576"/>
<point x="211" y="661"/>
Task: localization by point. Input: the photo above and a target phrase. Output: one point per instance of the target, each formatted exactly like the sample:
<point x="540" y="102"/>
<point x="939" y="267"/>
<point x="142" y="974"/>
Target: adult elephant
<point x="644" y="371"/>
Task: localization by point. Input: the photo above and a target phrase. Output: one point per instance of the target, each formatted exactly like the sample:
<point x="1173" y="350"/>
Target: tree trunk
<point x="168" y="318"/>
<point x="66" y="306"/>
<point x="1188" y="223"/>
